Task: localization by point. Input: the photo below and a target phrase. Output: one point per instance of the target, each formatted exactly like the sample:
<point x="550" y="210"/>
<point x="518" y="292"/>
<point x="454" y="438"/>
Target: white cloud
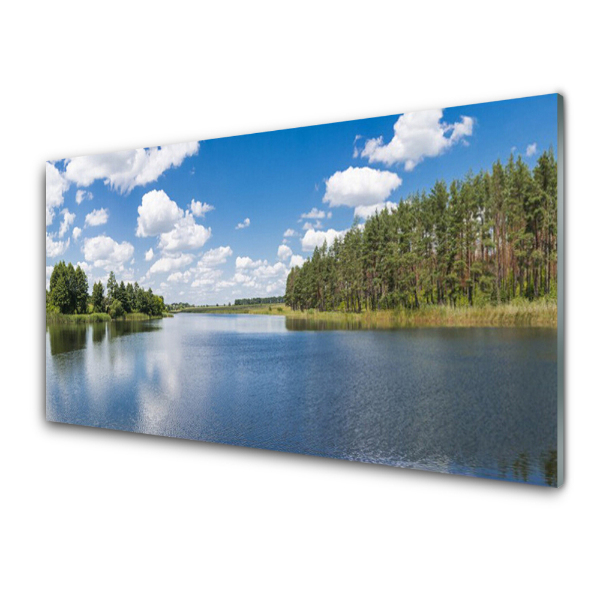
<point x="123" y="171"/>
<point x="364" y="212"/>
<point x="309" y="225"/>
<point x="53" y="248"/>
<point x="76" y="233"/>
<point x="297" y="261"/>
<point x="245" y="223"/>
<point x="176" y="277"/>
<point x="242" y="278"/>
<point x="216" y="256"/>
<point x="149" y="255"/>
<point x="157" y="214"/>
<point x="199" y="209"/>
<point x="531" y="149"/>
<point x="68" y="219"/>
<point x="82" y="195"/>
<point x="417" y="135"/>
<point x="186" y="235"/>
<point x="208" y="278"/>
<point x="270" y="271"/>
<point x="313" y="238"/>
<point x="290" y="233"/>
<point x="245" y="262"/>
<point x="284" y="252"/>
<point x="315" y="213"/>
<point x="56" y="186"/>
<point x="98" y="216"/>
<point x="360" y="186"/>
<point x="105" y="253"/>
<point x="167" y="263"/>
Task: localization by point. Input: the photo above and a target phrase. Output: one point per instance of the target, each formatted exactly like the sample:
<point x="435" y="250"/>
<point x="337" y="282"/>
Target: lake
<point x="473" y="401"/>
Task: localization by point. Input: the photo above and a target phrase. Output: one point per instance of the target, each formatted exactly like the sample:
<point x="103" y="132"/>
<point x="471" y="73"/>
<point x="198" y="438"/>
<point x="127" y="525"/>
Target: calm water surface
<point x="475" y="401"/>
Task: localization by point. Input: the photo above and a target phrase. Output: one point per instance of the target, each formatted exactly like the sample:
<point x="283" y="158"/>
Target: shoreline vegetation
<point x="68" y="299"/>
<point x="482" y="250"/>
<point x="55" y="318"/>
<point x="518" y="313"/>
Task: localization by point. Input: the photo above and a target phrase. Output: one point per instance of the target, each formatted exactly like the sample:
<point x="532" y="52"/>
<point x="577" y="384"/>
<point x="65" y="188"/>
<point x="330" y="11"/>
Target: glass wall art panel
<point x="385" y="290"/>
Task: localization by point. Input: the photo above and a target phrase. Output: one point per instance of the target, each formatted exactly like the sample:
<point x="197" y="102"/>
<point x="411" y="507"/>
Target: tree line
<point x="69" y="294"/>
<point x="486" y="239"/>
<point x="269" y="300"/>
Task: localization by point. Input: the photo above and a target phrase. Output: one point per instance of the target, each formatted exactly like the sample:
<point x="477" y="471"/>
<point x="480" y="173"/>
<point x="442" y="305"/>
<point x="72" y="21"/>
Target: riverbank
<point x="516" y="314"/>
<point x="58" y="318"/>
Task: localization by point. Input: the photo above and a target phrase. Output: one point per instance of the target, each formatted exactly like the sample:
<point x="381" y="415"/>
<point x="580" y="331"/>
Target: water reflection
<point x="478" y="402"/>
<point x="69" y="337"/>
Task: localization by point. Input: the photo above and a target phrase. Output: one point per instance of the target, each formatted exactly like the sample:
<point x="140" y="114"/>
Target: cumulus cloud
<point x="208" y="279"/>
<point x="269" y="271"/>
<point x="290" y="233"/>
<point x="82" y="195"/>
<point x="68" y="219"/>
<point x="176" y="277"/>
<point x="215" y="256"/>
<point x="179" y="232"/>
<point x="315" y="213"/>
<point x="123" y="171"/>
<point x="199" y="209"/>
<point x="531" y="149"/>
<point x="364" y="212"/>
<point x="98" y="216"/>
<point x="313" y="238"/>
<point x="53" y="248"/>
<point x="185" y="235"/>
<point x="149" y="255"/>
<point x="309" y="225"/>
<point x="56" y="186"/>
<point x="170" y="263"/>
<point x="417" y="136"/>
<point x="284" y="252"/>
<point x="241" y="278"/>
<point x="245" y="223"/>
<point x="76" y="233"/>
<point x="104" y="252"/>
<point x="245" y="262"/>
<point x="297" y="261"/>
<point x="360" y="186"/>
<point x="157" y="214"/>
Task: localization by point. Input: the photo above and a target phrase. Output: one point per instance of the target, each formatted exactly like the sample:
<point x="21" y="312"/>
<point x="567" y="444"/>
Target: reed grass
<point x="53" y="318"/>
<point x="519" y="313"/>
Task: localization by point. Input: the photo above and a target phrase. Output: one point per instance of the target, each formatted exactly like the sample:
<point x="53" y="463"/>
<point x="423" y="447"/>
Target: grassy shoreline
<point x="515" y="314"/>
<point x="53" y="318"/>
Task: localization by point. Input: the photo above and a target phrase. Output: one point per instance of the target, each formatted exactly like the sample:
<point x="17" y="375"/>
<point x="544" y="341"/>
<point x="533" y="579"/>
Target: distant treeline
<point x="487" y="239"/>
<point x="68" y="294"/>
<point x="176" y="306"/>
<point x="270" y="300"/>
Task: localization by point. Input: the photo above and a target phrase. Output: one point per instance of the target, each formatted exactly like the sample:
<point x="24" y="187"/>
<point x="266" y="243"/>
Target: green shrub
<point x="116" y="309"/>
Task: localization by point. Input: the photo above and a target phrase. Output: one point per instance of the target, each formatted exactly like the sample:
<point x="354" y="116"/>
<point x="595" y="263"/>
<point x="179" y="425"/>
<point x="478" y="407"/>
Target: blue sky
<point x="208" y="222"/>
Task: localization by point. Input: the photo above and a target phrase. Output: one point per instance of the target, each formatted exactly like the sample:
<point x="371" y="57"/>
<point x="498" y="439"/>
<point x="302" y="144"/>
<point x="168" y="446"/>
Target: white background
<point x="98" y="514"/>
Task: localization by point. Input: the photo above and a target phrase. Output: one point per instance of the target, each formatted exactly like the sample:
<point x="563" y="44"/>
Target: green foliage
<point x="68" y="295"/>
<point x="487" y="239"/>
<point x="249" y="301"/>
<point x="98" y="301"/>
<point x="68" y="289"/>
<point x="116" y="309"/>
